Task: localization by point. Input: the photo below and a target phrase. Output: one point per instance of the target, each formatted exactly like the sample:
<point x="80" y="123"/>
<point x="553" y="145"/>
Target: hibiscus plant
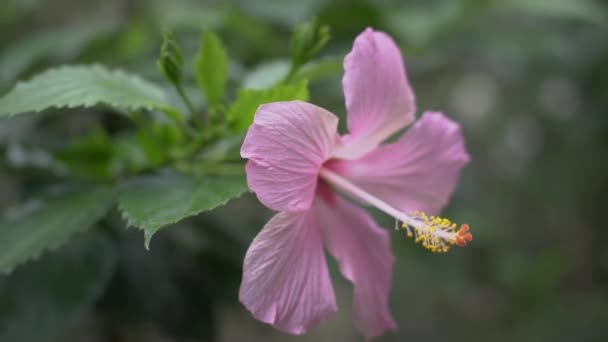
<point x="196" y="141"/>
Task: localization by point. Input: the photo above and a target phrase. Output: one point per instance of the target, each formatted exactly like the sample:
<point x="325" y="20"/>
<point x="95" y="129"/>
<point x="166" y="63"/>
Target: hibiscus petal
<point x="416" y="173"/>
<point x="286" y="145"/>
<point x="363" y="252"/>
<point x="285" y="278"/>
<point x="379" y="99"/>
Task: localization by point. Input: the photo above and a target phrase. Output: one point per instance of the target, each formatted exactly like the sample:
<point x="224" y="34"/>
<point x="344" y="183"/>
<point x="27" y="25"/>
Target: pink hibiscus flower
<point x="299" y="165"/>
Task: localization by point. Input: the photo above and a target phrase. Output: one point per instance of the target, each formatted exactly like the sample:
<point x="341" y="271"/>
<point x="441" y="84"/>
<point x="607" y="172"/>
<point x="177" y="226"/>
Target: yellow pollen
<point x="435" y="233"/>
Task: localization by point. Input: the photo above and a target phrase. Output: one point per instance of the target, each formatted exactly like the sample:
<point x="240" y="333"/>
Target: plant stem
<point x="293" y="69"/>
<point x="195" y="116"/>
<point x="182" y="94"/>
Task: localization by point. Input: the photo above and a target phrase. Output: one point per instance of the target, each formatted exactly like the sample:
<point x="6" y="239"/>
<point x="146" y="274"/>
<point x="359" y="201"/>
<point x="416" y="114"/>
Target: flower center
<point x="434" y="233"/>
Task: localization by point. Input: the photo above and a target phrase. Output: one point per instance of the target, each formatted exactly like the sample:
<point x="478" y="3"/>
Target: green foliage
<point x="56" y="45"/>
<point x="271" y="73"/>
<point x="587" y="10"/>
<point x="171" y="63"/>
<point x="99" y="156"/>
<point x="90" y="156"/>
<point x="266" y="75"/>
<point x="308" y="38"/>
<point x="82" y="86"/>
<point x="211" y="63"/>
<point x="152" y="202"/>
<point x="160" y="142"/>
<point x="241" y="112"/>
<point x="320" y="69"/>
<point x="40" y="300"/>
<point x="525" y="79"/>
<point x="48" y="222"/>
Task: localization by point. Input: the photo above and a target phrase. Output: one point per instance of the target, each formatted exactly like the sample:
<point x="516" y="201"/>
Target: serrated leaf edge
<point x="140" y="81"/>
<point x="148" y="236"/>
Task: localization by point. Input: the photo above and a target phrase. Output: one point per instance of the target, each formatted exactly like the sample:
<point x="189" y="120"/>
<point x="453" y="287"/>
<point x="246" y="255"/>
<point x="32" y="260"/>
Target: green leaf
<point x="212" y="67"/>
<point x="266" y="74"/>
<point x="159" y="141"/>
<point x="152" y="202"/>
<point x="241" y="112"/>
<point x="91" y="156"/>
<point x="42" y="300"/>
<point x="49" y="221"/>
<point x="323" y="68"/>
<point x="82" y="86"/>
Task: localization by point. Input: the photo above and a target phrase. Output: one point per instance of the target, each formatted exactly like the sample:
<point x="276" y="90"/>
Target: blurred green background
<point x="527" y="79"/>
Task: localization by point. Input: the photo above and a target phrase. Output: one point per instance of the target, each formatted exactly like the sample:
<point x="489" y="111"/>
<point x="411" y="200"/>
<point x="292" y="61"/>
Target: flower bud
<point x="307" y="39"/>
<point x="170" y="62"/>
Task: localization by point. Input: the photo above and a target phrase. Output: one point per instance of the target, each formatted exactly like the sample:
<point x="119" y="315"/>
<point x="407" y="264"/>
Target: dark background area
<point x="528" y="81"/>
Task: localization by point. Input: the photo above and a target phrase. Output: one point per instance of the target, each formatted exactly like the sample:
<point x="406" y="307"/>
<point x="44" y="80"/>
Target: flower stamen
<point x="435" y="233"/>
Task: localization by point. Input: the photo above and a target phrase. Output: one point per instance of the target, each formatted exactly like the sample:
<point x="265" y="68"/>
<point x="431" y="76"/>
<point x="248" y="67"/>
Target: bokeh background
<point x="527" y="79"/>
